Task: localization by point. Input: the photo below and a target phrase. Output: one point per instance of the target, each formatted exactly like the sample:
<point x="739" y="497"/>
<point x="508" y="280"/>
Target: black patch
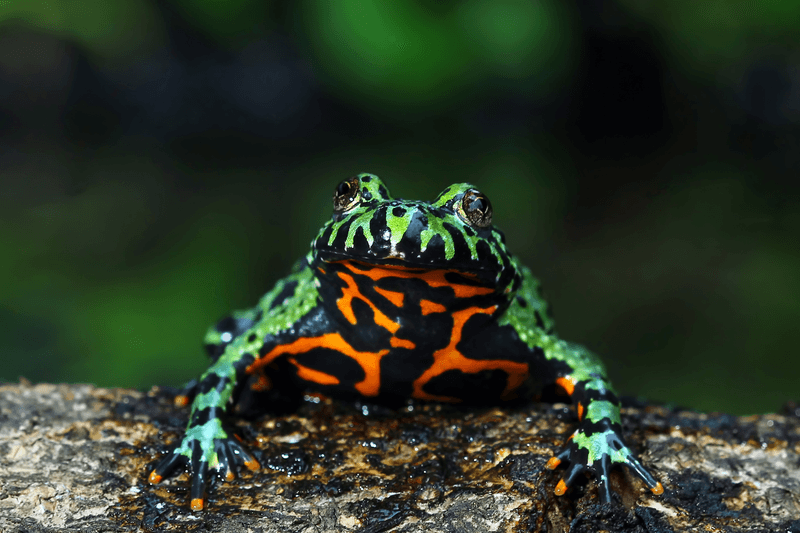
<point x="240" y="366"/>
<point x="400" y="368"/>
<point x="360" y="240"/>
<point x="214" y="350"/>
<point x="482" y="387"/>
<point x="252" y="337"/>
<point x="523" y="303"/>
<point x="314" y="324"/>
<point x="366" y="179"/>
<point x="199" y="418"/>
<point x="334" y="363"/>
<point x="227" y="324"/>
<point x="399" y="211"/>
<point x="286" y="292"/>
<point x="457" y="278"/>
<point x="469" y="231"/>
<point x="210" y="382"/>
<point x="377" y="225"/>
<point x="435" y="246"/>
<point x="363" y="267"/>
<point x="484" y="251"/>
<point x="383" y="191"/>
<point x="483" y="339"/>
<point x="365" y="194"/>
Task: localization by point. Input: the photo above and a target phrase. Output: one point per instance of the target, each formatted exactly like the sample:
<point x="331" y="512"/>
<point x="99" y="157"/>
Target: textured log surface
<point x="76" y="458"/>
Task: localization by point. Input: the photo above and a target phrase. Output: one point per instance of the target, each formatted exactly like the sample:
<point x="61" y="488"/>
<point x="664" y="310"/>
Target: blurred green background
<point x="165" y="161"/>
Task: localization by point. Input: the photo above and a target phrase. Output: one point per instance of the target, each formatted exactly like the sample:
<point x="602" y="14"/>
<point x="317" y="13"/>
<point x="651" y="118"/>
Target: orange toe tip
<point x="229" y="475"/>
<point x="197" y="504"/>
<point x="561" y="488"/>
<point x="154" y="478"/>
<point x="553" y="463"/>
<point x="252" y="464"/>
<point x="181" y="400"/>
<point x="658" y="489"/>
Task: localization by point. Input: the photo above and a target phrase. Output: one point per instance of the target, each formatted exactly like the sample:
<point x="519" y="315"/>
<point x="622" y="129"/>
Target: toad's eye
<point x="346" y="195"/>
<point x="476" y="209"/>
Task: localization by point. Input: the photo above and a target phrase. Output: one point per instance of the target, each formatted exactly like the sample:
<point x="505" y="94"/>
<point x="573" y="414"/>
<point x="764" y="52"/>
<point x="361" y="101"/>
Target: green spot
<point x="585" y="365"/>
<point x="361" y="221"/>
<point x="286" y="314"/>
<point x="212" y="398"/>
<point x="436" y="227"/>
<point x="450" y="193"/>
<point x="597" y="445"/>
<point x="205" y="435"/>
<point x="398" y="225"/>
<point x="603" y="409"/>
<point x="472" y="242"/>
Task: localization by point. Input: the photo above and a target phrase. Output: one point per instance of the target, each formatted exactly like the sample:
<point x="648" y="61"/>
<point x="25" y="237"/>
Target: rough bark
<point x="76" y="458"/>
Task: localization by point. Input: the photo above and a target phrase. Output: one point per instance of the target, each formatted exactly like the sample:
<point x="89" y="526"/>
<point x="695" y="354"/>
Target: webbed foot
<point x="598" y="451"/>
<point x="205" y="449"/>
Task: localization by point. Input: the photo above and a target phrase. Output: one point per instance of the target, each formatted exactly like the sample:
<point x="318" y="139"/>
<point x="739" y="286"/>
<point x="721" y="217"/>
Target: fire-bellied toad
<point x="402" y="299"/>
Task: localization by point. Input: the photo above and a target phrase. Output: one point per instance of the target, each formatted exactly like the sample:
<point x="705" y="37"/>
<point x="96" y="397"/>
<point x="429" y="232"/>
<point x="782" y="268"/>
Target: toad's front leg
<point x="207" y="446"/>
<point x="597" y="443"/>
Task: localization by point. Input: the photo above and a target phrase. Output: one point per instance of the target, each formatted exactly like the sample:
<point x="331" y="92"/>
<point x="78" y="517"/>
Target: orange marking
<point x="229" y="475"/>
<point x="395" y="297"/>
<point x="561" y="488"/>
<point x="154" y="478"/>
<point x="449" y="358"/>
<point x="181" y="400"/>
<point x="402" y="343"/>
<point x="553" y="463"/>
<point x="567" y="383"/>
<point x="252" y="464"/>
<point x="261" y="384"/>
<point x="369" y="361"/>
<point x="658" y="489"/>
<point x="345" y="304"/>
<point x="580" y="411"/>
<point x="321" y="269"/>
<point x="197" y="504"/>
<point x="429" y="307"/>
<point x="315" y="376"/>
<point x="434" y="278"/>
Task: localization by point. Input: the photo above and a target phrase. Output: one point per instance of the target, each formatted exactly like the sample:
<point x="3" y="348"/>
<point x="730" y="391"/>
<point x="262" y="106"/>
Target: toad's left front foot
<point x="598" y="449"/>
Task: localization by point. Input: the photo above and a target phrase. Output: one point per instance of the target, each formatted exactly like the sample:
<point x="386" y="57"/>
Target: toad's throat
<point x="463" y="284"/>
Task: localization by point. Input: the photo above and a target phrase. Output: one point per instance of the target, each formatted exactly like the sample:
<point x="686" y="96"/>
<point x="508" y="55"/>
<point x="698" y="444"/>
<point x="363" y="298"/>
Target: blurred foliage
<point x="108" y="30"/>
<point x="714" y="34"/>
<point x="402" y="57"/>
<point x="165" y="161"/>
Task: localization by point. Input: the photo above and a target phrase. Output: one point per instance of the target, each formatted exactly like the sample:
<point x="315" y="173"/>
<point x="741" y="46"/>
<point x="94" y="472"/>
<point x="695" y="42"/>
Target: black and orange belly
<point x="400" y="331"/>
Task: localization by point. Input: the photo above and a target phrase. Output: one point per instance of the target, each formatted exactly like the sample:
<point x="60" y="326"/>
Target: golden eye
<point x="476" y="209"/>
<point x="346" y="195"/>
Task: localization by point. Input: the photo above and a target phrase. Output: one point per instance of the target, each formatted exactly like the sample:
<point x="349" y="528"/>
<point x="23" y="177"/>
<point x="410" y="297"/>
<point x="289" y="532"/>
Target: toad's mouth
<point x="400" y="259"/>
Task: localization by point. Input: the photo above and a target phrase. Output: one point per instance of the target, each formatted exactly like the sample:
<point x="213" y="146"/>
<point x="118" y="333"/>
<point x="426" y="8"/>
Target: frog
<point x="401" y="299"/>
